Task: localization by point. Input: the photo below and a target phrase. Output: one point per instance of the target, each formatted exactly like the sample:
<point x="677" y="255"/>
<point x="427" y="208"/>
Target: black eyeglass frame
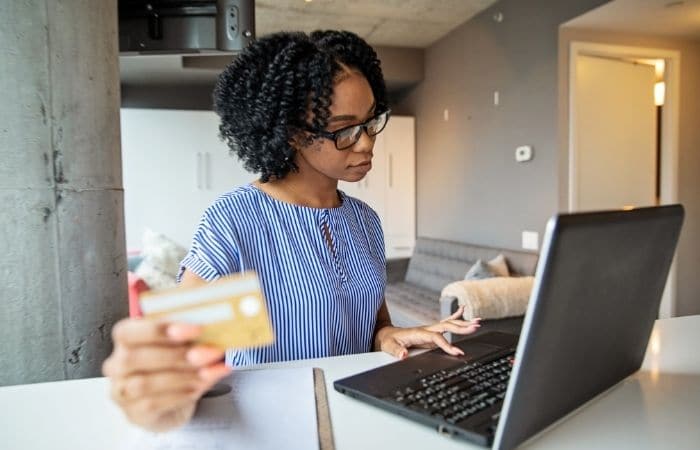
<point x="333" y="135"/>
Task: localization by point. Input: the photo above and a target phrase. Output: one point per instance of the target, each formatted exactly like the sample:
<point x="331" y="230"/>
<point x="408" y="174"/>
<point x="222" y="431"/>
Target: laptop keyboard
<point x="460" y="392"/>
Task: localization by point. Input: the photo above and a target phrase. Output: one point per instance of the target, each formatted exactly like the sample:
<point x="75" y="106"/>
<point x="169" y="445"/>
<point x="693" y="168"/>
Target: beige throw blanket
<point x="492" y="298"/>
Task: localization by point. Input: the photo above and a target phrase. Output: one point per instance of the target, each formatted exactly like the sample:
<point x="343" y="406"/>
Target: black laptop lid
<point x="599" y="285"/>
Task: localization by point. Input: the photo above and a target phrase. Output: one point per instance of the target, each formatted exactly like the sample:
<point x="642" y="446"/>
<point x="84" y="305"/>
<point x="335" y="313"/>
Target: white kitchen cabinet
<point x="389" y="188"/>
<point x="174" y="167"/>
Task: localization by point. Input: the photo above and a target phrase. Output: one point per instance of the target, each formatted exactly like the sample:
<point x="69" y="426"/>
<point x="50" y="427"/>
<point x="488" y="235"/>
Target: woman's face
<point x="352" y="104"/>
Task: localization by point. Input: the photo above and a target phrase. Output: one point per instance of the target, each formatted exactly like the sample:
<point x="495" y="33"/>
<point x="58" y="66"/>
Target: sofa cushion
<point x="497" y="267"/>
<point x="161" y="260"/>
<point x="479" y="271"/>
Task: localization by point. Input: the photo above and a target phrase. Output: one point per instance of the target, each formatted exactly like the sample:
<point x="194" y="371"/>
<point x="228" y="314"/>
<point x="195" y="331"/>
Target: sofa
<point x="414" y="285"/>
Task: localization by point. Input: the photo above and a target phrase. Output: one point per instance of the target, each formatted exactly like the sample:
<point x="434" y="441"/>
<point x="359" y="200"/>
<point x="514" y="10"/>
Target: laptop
<point x="596" y="295"/>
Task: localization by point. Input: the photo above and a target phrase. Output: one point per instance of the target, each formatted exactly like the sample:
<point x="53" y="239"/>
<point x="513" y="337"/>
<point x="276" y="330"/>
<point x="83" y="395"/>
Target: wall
<point x="688" y="256"/>
<point x="469" y="187"/>
<point x="402" y="67"/>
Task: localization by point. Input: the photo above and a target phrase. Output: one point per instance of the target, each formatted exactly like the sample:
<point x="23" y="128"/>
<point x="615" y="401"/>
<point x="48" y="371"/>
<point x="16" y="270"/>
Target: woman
<point x="303" y="112"/>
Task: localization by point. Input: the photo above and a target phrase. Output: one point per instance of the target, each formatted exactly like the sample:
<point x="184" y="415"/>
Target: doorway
<point x="616" y="157"/>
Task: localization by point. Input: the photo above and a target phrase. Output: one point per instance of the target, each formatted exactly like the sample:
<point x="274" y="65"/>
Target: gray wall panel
<point x="468" y="161"/>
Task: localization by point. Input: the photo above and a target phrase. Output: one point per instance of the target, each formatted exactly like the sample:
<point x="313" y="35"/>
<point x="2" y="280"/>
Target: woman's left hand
<point x="396" y="341"/>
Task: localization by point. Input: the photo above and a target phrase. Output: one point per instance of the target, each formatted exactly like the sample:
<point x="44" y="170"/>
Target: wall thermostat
<point x="523" y="153"/>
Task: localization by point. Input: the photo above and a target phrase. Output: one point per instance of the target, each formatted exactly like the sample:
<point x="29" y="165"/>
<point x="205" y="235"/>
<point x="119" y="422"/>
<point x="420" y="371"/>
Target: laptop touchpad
<point x="475" y="350"/>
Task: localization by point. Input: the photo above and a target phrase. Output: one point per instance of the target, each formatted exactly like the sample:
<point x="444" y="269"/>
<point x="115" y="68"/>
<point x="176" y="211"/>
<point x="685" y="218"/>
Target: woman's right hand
<point x="158" y="374"/>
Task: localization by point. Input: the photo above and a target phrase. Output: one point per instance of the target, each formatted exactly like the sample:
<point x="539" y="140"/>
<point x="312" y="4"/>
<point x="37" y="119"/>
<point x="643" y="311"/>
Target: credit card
<point x="231" y="310"/>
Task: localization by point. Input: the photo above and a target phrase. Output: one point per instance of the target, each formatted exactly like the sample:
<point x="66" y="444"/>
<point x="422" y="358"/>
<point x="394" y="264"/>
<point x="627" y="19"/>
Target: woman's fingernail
<point x="199" y="356"/>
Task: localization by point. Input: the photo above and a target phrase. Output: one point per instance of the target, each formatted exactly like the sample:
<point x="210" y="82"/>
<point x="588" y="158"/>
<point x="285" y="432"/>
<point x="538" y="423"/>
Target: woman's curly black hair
<point x="264" y="96"/>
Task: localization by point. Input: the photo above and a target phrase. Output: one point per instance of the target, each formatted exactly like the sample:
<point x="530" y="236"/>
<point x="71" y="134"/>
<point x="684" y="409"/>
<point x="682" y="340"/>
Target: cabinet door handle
<point x="391" y="170"/>
<point x="207" y="170"/>
<point x="199" y="170"/>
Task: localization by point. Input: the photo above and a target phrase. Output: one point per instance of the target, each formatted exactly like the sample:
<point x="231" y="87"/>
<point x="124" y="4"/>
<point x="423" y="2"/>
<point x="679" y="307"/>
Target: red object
<point x="136" y="287"/>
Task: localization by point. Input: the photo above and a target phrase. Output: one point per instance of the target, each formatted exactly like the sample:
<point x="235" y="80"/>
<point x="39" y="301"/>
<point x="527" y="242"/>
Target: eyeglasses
<point x="348" y="136"/>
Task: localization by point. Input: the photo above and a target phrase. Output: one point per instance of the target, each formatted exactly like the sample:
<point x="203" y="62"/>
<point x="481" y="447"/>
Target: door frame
<point x="669" y="136"/>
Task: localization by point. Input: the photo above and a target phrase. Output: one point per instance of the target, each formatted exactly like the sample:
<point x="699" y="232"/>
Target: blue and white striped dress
<point x="322" y="302"/>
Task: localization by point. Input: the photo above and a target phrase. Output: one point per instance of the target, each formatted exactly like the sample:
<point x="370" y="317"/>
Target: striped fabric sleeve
<point x="214" y="252"/>
<point x="375" y="233"/>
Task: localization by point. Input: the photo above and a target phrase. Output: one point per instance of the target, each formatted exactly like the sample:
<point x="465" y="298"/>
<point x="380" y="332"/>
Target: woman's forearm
<point x="382" y="326"/>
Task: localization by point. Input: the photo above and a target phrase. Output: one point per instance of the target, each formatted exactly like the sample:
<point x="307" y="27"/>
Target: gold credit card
<point x="231" y="310"/>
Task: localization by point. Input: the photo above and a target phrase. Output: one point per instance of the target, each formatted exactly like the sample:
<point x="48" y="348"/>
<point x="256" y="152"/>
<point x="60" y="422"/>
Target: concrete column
<point x="62" y="246"/>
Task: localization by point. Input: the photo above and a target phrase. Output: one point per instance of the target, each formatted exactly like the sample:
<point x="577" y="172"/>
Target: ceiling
<point x="670" y="18"/>
<point x="397" y="23"/>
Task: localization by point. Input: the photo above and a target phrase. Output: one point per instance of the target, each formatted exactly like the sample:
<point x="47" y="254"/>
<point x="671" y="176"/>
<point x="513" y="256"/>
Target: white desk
<point x="659" y="407"/>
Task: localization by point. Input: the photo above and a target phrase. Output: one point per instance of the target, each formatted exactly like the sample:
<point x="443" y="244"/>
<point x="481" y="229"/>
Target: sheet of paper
<point x="265" y="409"/>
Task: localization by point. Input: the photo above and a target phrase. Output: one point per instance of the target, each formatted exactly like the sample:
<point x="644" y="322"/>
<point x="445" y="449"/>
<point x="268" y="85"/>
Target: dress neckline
<point x="341" y="195"/>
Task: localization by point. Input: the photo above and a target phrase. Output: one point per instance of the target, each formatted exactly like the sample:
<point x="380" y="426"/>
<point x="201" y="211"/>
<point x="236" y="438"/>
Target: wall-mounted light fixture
<point x="659" y="93"/>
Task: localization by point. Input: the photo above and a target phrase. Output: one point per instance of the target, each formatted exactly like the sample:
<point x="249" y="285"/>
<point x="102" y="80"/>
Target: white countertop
<point x="656" y="408"/>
